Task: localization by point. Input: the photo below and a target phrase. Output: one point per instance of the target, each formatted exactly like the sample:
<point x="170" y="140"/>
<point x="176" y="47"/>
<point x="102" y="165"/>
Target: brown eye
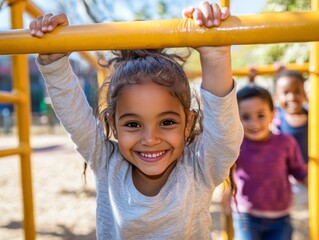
<point x="261" y="116"/>
<point x="167" y="123"/>
<point x="132" y="125"/>
<point x="245" y="117"/>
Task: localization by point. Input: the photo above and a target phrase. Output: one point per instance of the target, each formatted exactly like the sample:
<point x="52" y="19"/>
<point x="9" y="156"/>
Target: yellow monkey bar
<point x="249" y="29"/>
<point x="6" y="97"/>
<point x="260" y="70"/>
<point x="270" y="69"/>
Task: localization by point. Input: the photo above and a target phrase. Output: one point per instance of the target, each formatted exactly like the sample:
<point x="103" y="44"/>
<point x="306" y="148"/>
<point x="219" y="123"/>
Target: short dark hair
<point x="252" y="91"/>
<point x="290" y="73"/>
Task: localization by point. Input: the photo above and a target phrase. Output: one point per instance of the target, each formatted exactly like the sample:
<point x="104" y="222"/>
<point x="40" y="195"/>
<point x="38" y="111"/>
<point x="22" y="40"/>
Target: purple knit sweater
<point x="262" y="173"/>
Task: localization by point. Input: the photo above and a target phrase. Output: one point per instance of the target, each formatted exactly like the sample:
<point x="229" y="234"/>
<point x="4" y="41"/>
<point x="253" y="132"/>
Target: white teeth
<point x="152" y="155"/>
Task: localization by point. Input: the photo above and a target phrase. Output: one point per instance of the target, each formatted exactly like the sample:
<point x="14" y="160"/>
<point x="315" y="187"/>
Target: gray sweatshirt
<point x="181" y="209"/>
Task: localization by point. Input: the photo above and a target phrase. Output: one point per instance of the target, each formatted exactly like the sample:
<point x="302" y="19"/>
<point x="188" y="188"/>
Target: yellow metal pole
<point x="227" y="232"/>
<point x="270" y="69"/>
<point x="260" y="70"/>
<point x="249" y="29"/>
<point x="20" y="76"/>
<point x="10" y="97"/>
<point x="313" y="148"/>
<point x="32" y="9"/>
<point x="224" y="3"/>
<point x="91" y="60"/>
<point x="101" y="75"/>
<point x="11" y="151"/>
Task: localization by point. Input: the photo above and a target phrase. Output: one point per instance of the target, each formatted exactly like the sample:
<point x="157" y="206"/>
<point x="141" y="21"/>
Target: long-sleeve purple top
<point x="262" y="174"/>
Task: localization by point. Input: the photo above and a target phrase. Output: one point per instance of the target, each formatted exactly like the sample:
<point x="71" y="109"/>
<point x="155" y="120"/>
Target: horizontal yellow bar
<point x="260" y="70"/>
<point x="91" y="60"/>
<point x="12" y="151"/>
<point x="270" y="69"/>
<point x="249" y="29"/>
<point x="10" y="97"/>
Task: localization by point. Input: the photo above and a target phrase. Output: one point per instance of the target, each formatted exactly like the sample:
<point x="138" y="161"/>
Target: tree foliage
<point x="284" y="52"/>
<point x="286" y="5"/>
<point x="96" y="11"/>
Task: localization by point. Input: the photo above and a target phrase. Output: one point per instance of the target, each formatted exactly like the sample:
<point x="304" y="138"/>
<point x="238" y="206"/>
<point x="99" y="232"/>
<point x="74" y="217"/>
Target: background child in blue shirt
<point x="292" y="113"/>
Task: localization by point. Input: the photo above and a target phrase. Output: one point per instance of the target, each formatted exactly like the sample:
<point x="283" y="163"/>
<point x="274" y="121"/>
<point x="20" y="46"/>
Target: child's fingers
<point x="32" y="27"/>
<point x="56" y="20"/>
<point x="38" y="27"/>
<point x="198" y="17"/>
<point x="225" y="13"/>
<point x="45" y="22"/>
<point x="207" y="14"/>
<point x="188" y="12"/>
<point x="216" y="14"/>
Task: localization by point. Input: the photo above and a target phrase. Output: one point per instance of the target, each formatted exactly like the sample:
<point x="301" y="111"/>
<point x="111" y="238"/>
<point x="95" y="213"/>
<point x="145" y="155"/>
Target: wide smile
<point x="255" y="131"/>
<point x="152" y="156"/>
<point x="292" y="104"/>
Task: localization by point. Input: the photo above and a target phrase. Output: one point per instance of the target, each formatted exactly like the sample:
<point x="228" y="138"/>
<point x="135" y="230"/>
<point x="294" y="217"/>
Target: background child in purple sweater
<point x="265" y="162"/>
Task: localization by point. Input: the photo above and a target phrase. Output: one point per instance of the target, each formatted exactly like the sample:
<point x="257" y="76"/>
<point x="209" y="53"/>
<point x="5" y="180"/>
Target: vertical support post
<point x="313" y="148"/>
<point x="101" y="75"/>
<point x="227" y="231"/>
<point x="224" y="3"/>
<point x="20" y="76"/>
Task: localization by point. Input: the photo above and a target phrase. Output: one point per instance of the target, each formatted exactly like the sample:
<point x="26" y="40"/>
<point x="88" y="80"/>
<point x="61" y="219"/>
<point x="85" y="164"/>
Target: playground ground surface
<point x="64" y="207"/>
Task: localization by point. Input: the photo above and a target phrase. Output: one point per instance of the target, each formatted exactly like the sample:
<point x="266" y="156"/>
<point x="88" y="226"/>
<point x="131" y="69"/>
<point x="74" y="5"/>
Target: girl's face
<point x="290" y="94"/>
<point x="256" y="116"/>
<point x="150" y="126"/>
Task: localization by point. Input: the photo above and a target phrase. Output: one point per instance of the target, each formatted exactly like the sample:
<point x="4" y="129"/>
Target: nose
<point x="150" y="136"/>
<point x="253" y="122"/>
<point x="291" y="96"/>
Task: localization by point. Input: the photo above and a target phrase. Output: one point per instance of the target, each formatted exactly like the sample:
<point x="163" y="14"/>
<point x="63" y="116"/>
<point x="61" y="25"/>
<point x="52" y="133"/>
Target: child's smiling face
<point x="290" y="94"/>
<point x="150" y="124"/>
<point x="256" y="116"/>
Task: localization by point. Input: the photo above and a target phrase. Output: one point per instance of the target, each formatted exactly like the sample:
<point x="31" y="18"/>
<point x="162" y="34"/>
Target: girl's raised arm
<point x="215" y="61"/>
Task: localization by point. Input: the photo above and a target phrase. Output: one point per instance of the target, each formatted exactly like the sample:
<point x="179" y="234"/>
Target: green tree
<point x="284" y="52"/>
<point x="286" y="5"/>
<point x="121" y="10"/>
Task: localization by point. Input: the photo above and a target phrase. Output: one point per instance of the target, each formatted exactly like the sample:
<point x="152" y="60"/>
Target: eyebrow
<point x="126" y="115"/>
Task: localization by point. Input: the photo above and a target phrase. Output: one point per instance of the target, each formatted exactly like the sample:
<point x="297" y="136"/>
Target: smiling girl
<point x="156" y="181"/>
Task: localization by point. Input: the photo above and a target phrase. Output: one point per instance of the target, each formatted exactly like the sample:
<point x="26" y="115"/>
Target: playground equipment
<point x="260" y="70"/>
<point x="34" y="12"/>
<point x="252" y="29"/>
<point x="173" y="33"/>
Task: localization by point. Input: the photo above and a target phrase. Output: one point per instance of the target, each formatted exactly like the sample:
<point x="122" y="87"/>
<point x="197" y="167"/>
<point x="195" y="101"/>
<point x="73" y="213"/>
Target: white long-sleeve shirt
<point x="181" y="209"/>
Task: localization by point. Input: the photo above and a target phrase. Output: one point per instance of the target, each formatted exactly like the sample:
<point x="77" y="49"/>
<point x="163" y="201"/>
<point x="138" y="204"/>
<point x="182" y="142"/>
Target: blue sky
<point x="238" y="7"/>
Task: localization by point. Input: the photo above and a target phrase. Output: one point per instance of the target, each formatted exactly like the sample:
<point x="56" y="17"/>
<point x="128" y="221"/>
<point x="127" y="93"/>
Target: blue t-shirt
<point x="299" y="133"/>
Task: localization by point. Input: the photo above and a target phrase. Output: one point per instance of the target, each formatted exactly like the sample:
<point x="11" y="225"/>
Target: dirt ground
<point x="64" y="208"/>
